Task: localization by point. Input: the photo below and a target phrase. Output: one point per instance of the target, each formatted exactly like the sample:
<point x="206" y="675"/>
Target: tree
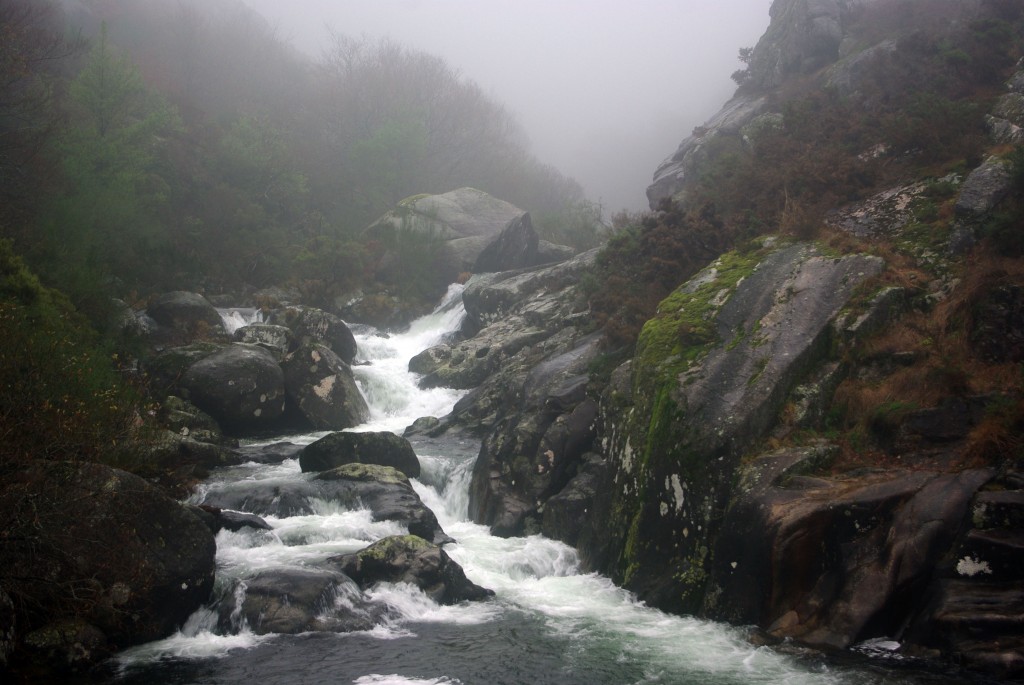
<point x="107" y="219"/>
<point x="31" y="48"/>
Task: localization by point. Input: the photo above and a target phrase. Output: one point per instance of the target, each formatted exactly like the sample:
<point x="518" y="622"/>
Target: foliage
<point x="105" y="220"/>
<point x="61" y="396"/>
<point x="645" y="259"/>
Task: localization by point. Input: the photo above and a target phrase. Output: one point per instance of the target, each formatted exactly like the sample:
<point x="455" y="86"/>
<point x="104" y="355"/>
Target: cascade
<point x="548" y="622"/>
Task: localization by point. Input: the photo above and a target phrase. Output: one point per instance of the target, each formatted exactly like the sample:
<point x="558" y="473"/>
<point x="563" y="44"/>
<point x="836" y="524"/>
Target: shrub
<point x="61" y="396"/>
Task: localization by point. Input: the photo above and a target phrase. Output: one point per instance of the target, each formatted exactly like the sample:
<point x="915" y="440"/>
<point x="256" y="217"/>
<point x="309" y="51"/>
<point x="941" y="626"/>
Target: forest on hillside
<point x="149" y="145"/>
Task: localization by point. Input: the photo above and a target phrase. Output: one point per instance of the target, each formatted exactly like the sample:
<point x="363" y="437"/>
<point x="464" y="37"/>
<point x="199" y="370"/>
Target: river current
<point x="548" y="623"/>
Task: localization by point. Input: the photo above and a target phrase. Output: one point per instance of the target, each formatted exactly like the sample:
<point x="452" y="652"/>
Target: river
<point x="548" y="623"/>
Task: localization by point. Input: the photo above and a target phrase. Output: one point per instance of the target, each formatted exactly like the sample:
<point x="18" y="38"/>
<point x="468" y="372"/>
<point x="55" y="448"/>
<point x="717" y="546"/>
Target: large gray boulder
<point x="320" y="386"/>
<point x="241" y="386"/>
<point x="466" y="220"/>
<point x="381" y="448"/>
<point x="104" y="549"/>
<point x="411" y="559"/>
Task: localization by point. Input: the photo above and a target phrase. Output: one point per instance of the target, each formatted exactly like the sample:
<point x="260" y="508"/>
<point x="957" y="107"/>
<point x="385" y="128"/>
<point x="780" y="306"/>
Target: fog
<point x="606" y="89"/>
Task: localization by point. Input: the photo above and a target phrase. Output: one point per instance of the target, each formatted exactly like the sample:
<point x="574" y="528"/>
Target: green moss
<point x="684" y="329"/>
<point x="389" y="547"/>
<point x="366" y="472"/>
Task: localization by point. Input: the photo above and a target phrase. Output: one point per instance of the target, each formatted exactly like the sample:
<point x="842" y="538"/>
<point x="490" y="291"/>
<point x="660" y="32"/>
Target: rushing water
<point x="549" y="623"/>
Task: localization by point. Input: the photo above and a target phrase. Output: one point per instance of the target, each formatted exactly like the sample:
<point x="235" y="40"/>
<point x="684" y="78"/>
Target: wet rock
<point x="380" y="448"/>
<point x="411" y="559"/>
<point x="997" y="330"/>
<point x="224" y="519"/>
<point x="291" y="601"/>
<point x="388" y="494"/>
<point x="534" y="447"/>
<point x="273" y="453"/>
<point x="385" y="491"/>
<point x="566" y="512"/>
<point x="467" y="220"/>
<point x="67" y="645"/>
<point x="832" y="562"/>
<point x="321" y="388"/>
<point x="241" y="386"/>
<point x="162" y="571"/>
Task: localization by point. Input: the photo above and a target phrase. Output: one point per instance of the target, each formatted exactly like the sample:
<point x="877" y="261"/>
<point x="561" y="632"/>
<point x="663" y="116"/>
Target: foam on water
<point x="538" y="583"/>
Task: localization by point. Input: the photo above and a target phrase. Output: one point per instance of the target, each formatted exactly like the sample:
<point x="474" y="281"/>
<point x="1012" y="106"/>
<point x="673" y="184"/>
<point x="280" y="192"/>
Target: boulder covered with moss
<point x="411" y="559"/>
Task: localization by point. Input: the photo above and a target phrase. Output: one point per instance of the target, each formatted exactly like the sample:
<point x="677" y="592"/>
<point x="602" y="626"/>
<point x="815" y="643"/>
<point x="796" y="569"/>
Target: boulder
<point x="273" y="453"/>
<point x="514" y="248"/>
<point x="291" y="601"/>
<point x="225" y="519"/>
<point x="381" y="448"/>
<point x="165" y="369"/>
<point x="320" y="386"/>
<point x="311" y="325"/>
<point x="277" y="339"/>
<point x="411" y="559"/>
<point x="185" y="312"/>
<point x="189" y="421"/>
<point x="983" y="189"/>
<point x="466" y="220"/>
<point x="388" y="494"/>
<point x="163" y="569"/>
<point x="241" y="386"/>
<point x="385" y="491"/>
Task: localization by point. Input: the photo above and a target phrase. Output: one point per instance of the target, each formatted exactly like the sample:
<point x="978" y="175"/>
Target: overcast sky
<point x="606" y="89"/>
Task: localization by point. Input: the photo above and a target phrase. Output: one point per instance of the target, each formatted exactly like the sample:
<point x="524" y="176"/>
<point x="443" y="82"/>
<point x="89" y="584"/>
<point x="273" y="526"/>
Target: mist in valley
<point x="604" y="90"/>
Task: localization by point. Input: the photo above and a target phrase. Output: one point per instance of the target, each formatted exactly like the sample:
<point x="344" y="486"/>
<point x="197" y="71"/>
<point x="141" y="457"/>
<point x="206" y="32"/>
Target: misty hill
<point x="186" y="145"/>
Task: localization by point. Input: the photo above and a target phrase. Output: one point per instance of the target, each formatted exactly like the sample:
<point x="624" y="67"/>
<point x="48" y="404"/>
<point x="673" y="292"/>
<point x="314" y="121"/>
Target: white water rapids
<point x="548" y="622"/>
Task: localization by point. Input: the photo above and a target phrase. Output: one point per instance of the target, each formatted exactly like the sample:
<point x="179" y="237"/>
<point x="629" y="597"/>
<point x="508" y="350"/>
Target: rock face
<point x="162" y="571"/>
<point x="320" y="386"/>
<point x="711" y="373"/>
<point x="241" y="386"/>
<point x="379" y="448"/>
<point x="411" y="559"/>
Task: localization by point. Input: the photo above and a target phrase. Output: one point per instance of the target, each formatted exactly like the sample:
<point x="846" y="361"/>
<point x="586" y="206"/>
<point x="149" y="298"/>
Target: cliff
<point x="818" y="433"/>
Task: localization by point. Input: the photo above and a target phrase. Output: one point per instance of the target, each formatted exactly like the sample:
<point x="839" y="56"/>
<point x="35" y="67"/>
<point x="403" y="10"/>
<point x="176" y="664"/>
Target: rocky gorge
<point x="708" y="472"/>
